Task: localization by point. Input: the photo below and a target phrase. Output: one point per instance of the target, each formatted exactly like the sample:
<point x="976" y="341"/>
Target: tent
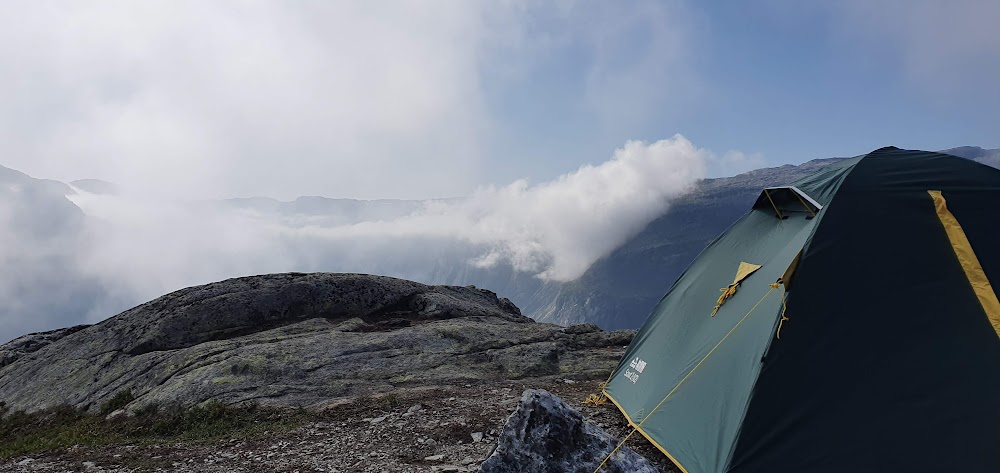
<point x="845" y="323"/>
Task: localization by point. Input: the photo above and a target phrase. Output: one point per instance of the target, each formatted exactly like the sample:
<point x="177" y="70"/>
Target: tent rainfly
<point x="856" y="330"/>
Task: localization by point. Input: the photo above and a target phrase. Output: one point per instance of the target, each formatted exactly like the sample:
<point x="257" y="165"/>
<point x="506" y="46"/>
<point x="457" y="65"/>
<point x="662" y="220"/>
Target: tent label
<point x="638" y="365"/>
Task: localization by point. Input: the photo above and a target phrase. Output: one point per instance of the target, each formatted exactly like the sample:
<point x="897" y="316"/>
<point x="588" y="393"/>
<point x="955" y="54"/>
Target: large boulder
<point x="546" y="435"/>
<point x="296" y="340"/>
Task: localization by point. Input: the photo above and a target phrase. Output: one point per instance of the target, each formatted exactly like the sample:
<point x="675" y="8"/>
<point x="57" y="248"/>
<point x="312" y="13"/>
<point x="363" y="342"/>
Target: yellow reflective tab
<point x="745" y="270"/>
<point x="970" y="263"/>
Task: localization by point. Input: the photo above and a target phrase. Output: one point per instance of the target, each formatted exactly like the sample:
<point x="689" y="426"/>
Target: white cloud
<point x="735" y="162"/>
<point x="223" y="98"/>
<point x="557" y="229"/>
<point x="636" y="58"/>
<point x="142" y="248"/>
<point x="353" y="99"/>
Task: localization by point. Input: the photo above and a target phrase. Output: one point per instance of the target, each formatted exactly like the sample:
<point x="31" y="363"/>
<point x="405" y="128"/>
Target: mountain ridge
<point x="296" y="339"/>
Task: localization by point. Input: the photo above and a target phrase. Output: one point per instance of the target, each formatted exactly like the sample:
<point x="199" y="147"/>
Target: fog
<point x="75" y="256"/>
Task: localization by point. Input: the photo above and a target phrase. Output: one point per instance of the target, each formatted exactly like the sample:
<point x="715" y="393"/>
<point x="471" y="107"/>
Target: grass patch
<point x="57" y="428"/>
<point x="121" y="399"/>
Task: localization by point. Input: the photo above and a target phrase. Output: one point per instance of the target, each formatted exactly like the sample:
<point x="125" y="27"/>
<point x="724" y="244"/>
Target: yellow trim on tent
<point x="967" y="258"/>
<point x="643" y="432"/>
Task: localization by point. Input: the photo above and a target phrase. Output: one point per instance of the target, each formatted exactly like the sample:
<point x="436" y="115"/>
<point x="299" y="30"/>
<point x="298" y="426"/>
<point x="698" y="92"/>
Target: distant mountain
<point x="989" y="157"/>
<point x="325" y="211"/>
<point x="42" y="284"/>
<point x="96" y="186"/>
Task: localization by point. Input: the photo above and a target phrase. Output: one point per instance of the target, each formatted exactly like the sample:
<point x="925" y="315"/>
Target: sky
<point x="411" y="99"/>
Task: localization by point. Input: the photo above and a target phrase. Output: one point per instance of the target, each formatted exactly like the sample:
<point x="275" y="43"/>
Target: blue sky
<point x="787" y="83"/>
<point x="407" y="99"/>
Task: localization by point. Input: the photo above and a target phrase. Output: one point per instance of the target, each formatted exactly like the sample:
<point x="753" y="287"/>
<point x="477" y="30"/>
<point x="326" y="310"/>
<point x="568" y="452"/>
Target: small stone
<point x="434" y="458"/>
<point x="89" y="465"/>
<point x="414" y="408"/>
<point x="468" y="461"/>
<point x="25" y="461"/>
<point x="477" y="437"/>
<point x="378" y="419"/>
<point x="447" y="469"/>
<point x="117" y="413"/>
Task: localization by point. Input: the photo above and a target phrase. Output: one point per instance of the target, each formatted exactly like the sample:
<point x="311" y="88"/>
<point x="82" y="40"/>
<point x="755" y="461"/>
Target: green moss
<point x="119" y="401"/>
<point x="226" y="380"/>
<point x="403" y="379"/>
<point x="61" y="427"/>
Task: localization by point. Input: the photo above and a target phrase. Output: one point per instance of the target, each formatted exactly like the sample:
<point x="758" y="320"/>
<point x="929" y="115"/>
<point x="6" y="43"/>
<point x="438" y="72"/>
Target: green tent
<point x="846" y="323"/>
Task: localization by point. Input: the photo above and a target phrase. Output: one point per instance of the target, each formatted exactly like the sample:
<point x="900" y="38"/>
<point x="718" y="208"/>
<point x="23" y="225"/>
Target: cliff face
<point x="297" y="339"/>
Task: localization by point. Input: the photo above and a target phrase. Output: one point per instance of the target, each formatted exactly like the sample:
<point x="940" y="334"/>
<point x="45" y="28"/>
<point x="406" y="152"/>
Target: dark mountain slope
<point x="42" y="283"/>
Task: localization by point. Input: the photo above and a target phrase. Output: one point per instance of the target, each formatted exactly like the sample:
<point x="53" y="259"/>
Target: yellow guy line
<point x="672" y="391"/>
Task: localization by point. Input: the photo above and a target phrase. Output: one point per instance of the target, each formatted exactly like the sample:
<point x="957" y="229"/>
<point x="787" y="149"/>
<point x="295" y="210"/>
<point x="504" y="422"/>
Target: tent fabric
<point x="887" y="360"/>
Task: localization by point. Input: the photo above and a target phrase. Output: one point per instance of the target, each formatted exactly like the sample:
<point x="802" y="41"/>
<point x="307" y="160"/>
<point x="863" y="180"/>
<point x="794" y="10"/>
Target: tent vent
<point x="787" y="201"/>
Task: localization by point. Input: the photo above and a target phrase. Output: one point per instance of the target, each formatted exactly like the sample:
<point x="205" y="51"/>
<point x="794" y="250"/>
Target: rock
<point x="447" y="468"/>
<point x="477" y="437"/>
<point x="89" y="465"/>
<point x="468" y="461"/>
<point x="294" y="340"/>
<point x="26" y="461"/>
<point x="582" y="328"/>
<point x="378" y="419"/>
<point x="26" y="344"/>
<point x="434" y="458"/>
<point x="114" y="414"/>
<point x="545" y="434"/>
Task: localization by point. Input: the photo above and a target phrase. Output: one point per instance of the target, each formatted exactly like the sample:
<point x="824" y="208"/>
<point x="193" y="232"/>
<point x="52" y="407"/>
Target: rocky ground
<point x="453" y="428"/>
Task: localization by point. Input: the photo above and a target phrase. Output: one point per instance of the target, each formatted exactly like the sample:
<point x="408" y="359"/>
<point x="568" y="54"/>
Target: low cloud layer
<point x="555" y="229"/>
<point x="121" y="250"/>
